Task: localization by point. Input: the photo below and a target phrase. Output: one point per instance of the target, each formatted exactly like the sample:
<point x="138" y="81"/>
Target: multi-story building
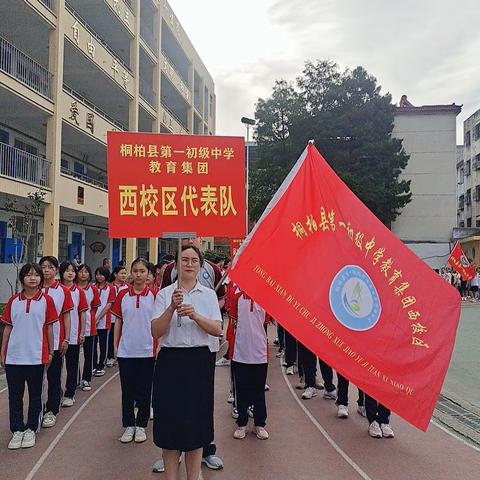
<point x="426" y="224"/>
<point x="468" y="191"/>
<point x="71" y="70"/>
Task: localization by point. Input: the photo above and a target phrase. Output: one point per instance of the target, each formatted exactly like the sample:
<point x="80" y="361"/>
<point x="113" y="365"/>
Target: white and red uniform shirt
<point x="63" y="303"/>
<point x="135" y="310"/>
<point x="107" y="295"/>
<point x="118" y="288"/>
<point x="93" y="301"/>
<point x="79" y="305"/>
<point x="250" y="345"/>
<point x="28" y="344"/>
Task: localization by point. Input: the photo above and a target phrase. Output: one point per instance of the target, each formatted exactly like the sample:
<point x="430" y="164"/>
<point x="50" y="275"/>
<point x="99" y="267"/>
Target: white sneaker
<point x="240" y="433"/>
<point x="222" y="362"/>
<point x="361" y="411"/>
<point x="68" y="402"/>
<point x="309" y="393"/>
<point x="261" y="433"/>
<point x="140" y="435"/>
<point x="290" y="371"/>
<point x="110" y="362"/>
<point x="16" y="441"/>
<point x="319" y="384"/>
<point x="387" y="431"/>
<point x="330" y="395"/>
<point x="49" y="420"/>
<point x="342" y="411"/>
<point x="301" y="384"/>
<point x="230" y="398"/>
<point x="374" y="430"/>
<point x="28" y="439"/>
<point x="86" y="387"/>
<point x="99" y="373"/>
<point x="128" y="435"/>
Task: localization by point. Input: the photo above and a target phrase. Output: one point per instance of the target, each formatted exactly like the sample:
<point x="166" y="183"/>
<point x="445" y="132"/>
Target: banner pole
<point x="179" y="274"/>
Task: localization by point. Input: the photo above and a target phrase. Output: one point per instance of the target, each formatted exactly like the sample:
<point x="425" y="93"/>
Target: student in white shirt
<point x="68" y="274"/>
<point x="84" y="277"/>
<point x="119" y="283"/>
<point x="103" y="319"/>
<point x="249" y="362"/>
<point x="135" y="350"/>
<point x="61" y="334"/>
<point x="27" y="346"/>
<point x="185" y="318"/>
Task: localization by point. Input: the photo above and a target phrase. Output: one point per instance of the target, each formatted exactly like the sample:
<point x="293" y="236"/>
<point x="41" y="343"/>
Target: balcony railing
<point x="147" y="93"/>
<point x="84" y="178"/>
<point x="183" y="123"/>
<point x="21" y="165"/>
<point x="149" y="38"/>
<point x="48" y="4"/>
<point x="94" y="34"/>
<point x="20" y="66"/>
<point x="172" y="64"/>
<point x="90" y="105"/>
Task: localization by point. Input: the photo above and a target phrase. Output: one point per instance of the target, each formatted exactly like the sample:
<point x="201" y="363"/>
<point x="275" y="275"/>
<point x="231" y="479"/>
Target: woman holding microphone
<point x="185" y="318"/>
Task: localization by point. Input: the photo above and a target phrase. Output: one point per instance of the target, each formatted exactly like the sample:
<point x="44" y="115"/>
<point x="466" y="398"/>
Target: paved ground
<point x="307" y="441"/>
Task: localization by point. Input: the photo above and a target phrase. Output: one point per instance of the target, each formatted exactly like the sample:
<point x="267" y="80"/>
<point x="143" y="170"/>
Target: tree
<point x="22" y="228"/>
<point x="351" y="123"/>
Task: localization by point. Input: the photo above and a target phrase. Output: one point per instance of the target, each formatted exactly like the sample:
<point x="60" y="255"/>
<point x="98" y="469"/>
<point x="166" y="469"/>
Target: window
<point x="65" y="164"/>
<point x="469" y="222"/>
<point x="468" y="167"/>
<point x="461" y="202"/>
<point x="26" y="147"/>
<point x="476" y="134"/>
<point x="467" y="139"/>
<point x="477" y="223"/>
<point x="477" y="193"/>
<point x="461" y="224"/>
<point x="80" y="195"/>
<point x="468" y="197"/>
<point x="211" y="105"/>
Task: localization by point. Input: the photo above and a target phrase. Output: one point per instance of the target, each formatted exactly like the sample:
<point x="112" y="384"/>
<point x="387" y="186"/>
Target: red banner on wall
<point x="340" y="282"/>
<point x="161" y="183"/>
<point x="235" y="245"/>
<point x="459" y="261"/>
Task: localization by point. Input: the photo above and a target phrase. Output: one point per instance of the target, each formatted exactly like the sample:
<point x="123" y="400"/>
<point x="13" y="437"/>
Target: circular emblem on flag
<point x="464" y="260"/>
<point x="205" y="275"/>
<point x="354" y="299"/>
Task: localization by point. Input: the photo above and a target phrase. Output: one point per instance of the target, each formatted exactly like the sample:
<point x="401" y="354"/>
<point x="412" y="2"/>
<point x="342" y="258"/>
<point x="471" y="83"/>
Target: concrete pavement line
<point x="460" y="439"/>
<point x="325" y="434"/>
<point x="3" y="389"/>
<point x="62" y="432"/>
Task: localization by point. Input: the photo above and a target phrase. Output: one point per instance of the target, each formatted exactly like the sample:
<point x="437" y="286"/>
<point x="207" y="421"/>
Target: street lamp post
<point x="248" y="122"/>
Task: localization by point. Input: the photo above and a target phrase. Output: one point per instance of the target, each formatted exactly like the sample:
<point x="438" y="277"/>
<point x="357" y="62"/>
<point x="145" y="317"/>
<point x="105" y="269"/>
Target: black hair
<point x="87" y="268"/>
<point x="105" y="261"/>
<point x="103" y="271"/>
<point x="63" y="268"/>
<point x="49" y="258"/>
<point x="116" y="270"/>
<point x="151" y="268"/>
<point x="161" y="263"/>
<point x="26" y="269"/>
<point x="168" y="258"/>
<point x="143" y="261"/>
<point x="193" y="247"/>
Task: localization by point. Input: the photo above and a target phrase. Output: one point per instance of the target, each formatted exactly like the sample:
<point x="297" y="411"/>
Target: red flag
<point x="340" y="282"/>
<point x="459" y="261"/>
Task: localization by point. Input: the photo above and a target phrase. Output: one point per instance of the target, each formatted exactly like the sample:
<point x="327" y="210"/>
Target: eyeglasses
<point x="192" y="261"/>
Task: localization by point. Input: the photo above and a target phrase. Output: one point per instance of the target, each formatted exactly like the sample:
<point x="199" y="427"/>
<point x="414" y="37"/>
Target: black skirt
<point x="183" y="398"/>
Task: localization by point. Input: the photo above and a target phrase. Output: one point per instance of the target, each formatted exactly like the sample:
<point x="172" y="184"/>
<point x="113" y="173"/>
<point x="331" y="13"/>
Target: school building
<point x="71" y="70"/>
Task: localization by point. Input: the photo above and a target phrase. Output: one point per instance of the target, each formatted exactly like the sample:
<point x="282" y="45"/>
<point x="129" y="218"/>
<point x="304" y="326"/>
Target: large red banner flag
<point x="459" y="261"/>
<point x="340" y="282"/>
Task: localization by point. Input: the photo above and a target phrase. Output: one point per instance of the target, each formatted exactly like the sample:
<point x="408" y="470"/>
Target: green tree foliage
<point x="351" y="123"/>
